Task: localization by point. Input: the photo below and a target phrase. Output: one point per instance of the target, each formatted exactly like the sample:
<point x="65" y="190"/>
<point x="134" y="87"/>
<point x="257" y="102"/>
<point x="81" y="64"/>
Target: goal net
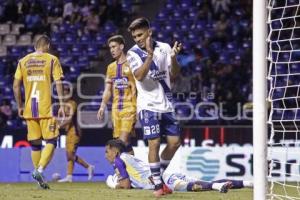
<point x="283" y="19"/>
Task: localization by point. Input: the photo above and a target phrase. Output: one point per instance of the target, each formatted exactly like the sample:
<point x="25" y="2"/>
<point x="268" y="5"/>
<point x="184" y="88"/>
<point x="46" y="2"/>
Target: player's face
<point x="116" y="49"/>
<point x="140" y="35"/>
<point x="110" y="154"/>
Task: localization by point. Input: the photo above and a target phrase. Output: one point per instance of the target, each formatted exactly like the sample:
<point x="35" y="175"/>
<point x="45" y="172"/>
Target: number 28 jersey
<point x="37" y="70"/>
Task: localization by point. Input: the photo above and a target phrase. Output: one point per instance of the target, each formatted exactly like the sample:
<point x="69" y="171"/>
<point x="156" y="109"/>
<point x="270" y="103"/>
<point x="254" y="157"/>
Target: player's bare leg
<point x="173" y="143"/>
<point x="125" y="137"/>
<point x="72" y="158"/>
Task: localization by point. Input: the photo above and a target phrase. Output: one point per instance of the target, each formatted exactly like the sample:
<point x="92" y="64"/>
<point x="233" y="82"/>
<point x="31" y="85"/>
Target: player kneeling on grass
<point x="134" y="173"/>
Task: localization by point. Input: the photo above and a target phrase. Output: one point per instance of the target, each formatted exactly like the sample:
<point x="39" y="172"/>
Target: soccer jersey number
<point x="35" y="93"/>
<point x="151" y="130"/>
<point x="35" y="97"/>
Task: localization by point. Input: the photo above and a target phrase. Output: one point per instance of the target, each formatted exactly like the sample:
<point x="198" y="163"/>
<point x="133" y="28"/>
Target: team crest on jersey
<point x="126" y="69"/>
<point x="146" y="116"/>
<point x="52" y="127"/>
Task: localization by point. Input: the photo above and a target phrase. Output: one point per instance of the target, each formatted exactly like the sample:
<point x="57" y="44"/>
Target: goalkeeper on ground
<point x="130" y="172"/>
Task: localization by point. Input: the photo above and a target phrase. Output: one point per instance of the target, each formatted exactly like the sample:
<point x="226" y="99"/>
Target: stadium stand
<point x="216" y="58"/>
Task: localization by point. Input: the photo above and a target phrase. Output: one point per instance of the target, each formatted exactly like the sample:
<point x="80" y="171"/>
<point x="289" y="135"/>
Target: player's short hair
<point x="43" y="40"/>
<point x="116" y="38"/>
<point x="138" y="23"/>
<point x="116" y="143"/>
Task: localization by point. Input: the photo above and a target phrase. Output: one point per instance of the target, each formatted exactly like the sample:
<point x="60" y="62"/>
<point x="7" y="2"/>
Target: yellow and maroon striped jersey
<point x="123" y="86"/>
<point x="38" y="70"/>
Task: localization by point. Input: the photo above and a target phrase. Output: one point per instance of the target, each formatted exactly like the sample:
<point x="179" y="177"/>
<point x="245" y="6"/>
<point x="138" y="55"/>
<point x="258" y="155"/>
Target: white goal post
<point x="276" y="49"/>
<point x="259" y="99"/>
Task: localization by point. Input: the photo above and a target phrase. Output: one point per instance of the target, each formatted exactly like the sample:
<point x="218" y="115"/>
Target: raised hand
<point x="176" y="49"/>
<point x="149" y="45"/>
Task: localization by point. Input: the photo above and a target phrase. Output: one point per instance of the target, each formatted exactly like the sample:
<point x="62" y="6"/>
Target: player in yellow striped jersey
<point x="120" y="84"/>
<point x="73" y="133"/>
<point x="36" y="71"/>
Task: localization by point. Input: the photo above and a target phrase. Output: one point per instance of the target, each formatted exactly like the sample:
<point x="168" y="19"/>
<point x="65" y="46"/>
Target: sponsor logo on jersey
<point x="35" y="72"/>
<point x="158" y="75"/>
<point x="121" y="83"/>
<point x="36" y="78"/>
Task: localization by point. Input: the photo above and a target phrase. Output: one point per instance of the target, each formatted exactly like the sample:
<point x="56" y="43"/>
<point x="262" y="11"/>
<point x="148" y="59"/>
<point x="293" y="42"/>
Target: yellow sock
<point x="47" y="154"/>
<point x="81" y="162"/>
<point x="70" y="167"/>
<point x="35" y="157"/>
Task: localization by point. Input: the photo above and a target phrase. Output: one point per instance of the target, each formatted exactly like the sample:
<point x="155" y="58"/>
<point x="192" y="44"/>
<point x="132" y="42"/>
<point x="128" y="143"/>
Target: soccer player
<point x="120" y="83"/>
<point x="153" y="63"/>
<point x="130" y="172"/>
<point x="36" y="71"/>
<point x="73" y="137"/>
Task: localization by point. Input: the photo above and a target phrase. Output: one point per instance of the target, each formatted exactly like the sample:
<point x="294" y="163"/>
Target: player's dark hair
<point x="116" y="38"/>
<point x="42" y="41"/>
<point x="139" y="23"/>
<point x="116" y="143"/>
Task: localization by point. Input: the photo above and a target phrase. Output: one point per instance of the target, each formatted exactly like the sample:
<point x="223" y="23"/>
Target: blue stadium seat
<point x="63" y="49"/>
<point x="85" y="39"/>
<point x="56" y="38"/>
<point x="100" y="39"/>
<point x="70" y="38"/>
<point x="92" y="50"/>
<point x="110" y="28"/>
<point x="295" y="68"/>
<point x="77" y="50"/>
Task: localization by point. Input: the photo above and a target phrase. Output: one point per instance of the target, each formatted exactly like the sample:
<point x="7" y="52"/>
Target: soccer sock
<point x="47" y="154"/>
<point x="164" y="164"/>
<point x="155" y="172"/>
<point x="248" y="184"/>
<point x="36" y="155"/>
<point x="81" y="162"/>
<point x="217" y="186"/>
<point x="205" y="185"/>
<point x="70" y="167"/>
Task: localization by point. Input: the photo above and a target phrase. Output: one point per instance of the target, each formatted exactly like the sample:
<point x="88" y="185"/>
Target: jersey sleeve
<point x="134" y="61"/>
<point x="57" y="71"/>
<point x="121" y="167"/>
<point x="18" y="73"/>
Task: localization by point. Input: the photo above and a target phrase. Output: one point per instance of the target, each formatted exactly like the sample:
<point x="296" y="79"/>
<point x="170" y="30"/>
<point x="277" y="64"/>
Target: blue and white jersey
<point x="154" y="91"/>
<point x="128" y="166"/>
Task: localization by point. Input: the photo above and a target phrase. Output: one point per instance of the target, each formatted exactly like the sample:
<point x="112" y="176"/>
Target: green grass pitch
<point x="99" y="191"/>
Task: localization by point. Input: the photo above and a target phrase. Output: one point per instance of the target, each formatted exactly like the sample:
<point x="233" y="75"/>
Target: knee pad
<point x="36" y="145"/>
<point x="52" y="141"/>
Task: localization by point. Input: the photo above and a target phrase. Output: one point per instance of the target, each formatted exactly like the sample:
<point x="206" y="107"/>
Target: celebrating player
<point x="120" y="83"/>
<point x="132" y="172"/>
<point x="73" y="137"/>
<point x="36" y="70"/>
<point x="153" y="63"/>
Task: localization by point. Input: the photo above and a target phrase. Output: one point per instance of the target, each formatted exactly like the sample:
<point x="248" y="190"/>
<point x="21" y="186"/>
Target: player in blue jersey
<point x="153" y="64"/>
<point x="130" y="172"/>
